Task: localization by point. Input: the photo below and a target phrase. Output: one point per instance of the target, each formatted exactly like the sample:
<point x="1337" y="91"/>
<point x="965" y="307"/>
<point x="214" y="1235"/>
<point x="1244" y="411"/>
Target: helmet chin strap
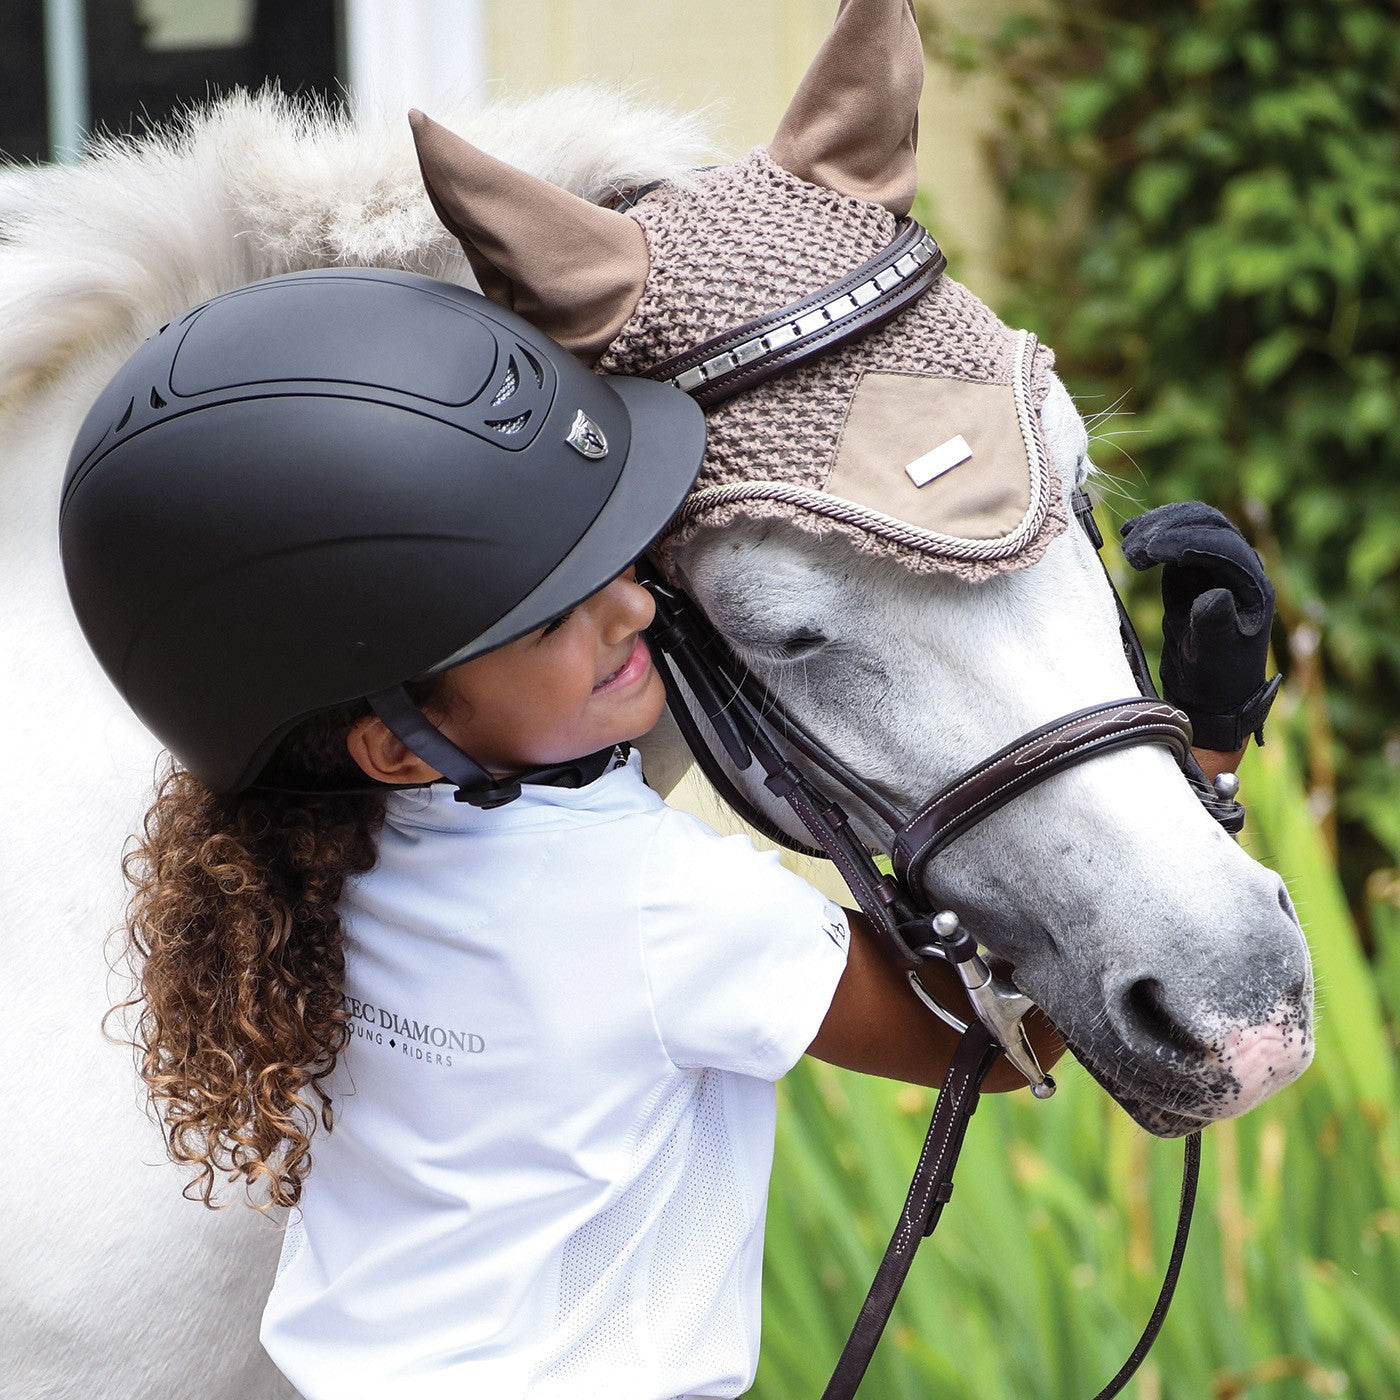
<point x="412" y="728"/>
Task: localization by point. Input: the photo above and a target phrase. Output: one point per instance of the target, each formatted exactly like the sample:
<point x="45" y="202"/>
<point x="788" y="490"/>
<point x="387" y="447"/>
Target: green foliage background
<point x="1205" y="224"/>
<point x="1050" y="1254"/>
<point x="1206" y="227"/>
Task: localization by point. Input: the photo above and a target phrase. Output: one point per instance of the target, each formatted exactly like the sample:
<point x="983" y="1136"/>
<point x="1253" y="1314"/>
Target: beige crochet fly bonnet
<point x="919" y="439"/>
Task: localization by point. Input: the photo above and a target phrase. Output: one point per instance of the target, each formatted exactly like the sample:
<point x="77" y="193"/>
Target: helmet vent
<point x="156" y="400"/>
<point x="509" y="385"/>
<point x="126" y="417"/>
<point x="534" y="365"/>
<point x="510" y="426"/>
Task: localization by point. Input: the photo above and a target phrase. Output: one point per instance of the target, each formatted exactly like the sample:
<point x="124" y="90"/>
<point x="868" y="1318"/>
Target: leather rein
<point x="744" y="722"/>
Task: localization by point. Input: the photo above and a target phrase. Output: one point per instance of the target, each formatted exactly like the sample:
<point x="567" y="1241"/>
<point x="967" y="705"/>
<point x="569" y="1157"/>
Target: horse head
<point x="912" y="628"/>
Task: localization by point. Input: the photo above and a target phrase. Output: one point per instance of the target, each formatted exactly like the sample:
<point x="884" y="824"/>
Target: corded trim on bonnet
<point x="836" y="442"/>
<point x="889" y="527"/>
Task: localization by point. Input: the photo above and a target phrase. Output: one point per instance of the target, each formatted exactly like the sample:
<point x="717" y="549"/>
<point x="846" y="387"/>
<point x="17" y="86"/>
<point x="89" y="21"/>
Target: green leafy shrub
<point x="1205" y="224"/>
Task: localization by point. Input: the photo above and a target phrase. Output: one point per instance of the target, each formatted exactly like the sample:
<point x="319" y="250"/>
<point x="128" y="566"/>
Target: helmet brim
<point x="663" y="461"/>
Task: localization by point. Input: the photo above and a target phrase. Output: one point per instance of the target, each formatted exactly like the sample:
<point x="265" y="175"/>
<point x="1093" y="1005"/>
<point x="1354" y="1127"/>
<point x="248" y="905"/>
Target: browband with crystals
<point x="839" y="312"/>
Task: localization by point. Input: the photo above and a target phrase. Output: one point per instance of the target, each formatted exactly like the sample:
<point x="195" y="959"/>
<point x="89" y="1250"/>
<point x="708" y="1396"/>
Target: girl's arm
<point x="878" y="1026"/>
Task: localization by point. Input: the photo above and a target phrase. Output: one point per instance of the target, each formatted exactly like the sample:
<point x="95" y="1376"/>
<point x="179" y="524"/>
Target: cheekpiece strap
<point x="840" y="312"/>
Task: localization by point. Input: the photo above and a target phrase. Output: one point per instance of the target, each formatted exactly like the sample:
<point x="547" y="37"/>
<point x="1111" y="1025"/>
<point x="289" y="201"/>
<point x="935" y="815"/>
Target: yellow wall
<point x="745" y="57"/>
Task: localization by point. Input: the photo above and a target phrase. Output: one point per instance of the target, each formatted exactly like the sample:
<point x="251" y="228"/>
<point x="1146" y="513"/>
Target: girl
<point x="338" y="537"/>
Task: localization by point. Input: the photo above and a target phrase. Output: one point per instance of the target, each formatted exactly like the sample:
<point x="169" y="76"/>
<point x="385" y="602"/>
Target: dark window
<point x="148" y="58"/>
<point x="23" y="125"/>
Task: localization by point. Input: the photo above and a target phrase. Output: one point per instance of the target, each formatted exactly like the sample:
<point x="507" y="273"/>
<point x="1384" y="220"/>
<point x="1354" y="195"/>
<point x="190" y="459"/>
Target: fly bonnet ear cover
<point x="920" y="440"/>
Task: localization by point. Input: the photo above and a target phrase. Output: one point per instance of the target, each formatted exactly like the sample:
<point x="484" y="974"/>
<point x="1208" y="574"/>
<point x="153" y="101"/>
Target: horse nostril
<point x="1285" y="903"/>
<point x="1147" y="1008"/>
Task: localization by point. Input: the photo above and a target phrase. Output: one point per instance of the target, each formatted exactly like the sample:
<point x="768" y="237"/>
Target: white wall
<point x="415" y="53"/>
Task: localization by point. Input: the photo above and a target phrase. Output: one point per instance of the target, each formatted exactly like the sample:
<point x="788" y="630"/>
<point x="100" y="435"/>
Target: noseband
<point x="746" y="722"/>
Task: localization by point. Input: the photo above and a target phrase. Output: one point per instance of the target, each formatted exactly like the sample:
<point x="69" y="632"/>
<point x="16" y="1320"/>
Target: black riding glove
<point x="1217" y="604"/>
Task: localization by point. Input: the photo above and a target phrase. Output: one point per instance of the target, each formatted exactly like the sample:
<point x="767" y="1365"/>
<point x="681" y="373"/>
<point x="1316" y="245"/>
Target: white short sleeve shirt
<point x="554" y="1121"/>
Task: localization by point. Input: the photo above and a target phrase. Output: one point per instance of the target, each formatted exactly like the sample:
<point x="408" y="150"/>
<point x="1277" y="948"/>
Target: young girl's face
<point x="575" y="686"/>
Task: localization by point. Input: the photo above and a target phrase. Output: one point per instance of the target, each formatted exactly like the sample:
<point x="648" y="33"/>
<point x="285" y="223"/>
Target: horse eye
<point x="802" y="644"/>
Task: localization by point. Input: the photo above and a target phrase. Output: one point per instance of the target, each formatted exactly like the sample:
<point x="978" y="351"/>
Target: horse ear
<point x="573" y="269"/>
<point x="853" y="123"/>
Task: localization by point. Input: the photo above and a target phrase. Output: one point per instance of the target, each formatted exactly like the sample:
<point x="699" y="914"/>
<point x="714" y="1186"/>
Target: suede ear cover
<point x="573" y="269"/>
<point x="852" y="125"/>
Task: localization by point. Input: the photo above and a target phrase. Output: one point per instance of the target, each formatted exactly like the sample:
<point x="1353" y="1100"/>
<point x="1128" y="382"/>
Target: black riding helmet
<point x="315" y="488"/>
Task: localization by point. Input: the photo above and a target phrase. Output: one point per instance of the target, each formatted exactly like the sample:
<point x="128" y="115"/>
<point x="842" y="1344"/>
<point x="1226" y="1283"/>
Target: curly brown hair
<point x="235" y="947"/>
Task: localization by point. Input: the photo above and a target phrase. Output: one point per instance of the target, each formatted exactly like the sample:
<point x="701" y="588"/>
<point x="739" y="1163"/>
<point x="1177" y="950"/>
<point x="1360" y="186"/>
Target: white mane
<point x="98" y="255"/>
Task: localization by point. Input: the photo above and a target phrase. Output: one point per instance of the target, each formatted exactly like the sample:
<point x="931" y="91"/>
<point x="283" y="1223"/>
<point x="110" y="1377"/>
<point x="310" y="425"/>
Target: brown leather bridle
<point x="745" y="722"/>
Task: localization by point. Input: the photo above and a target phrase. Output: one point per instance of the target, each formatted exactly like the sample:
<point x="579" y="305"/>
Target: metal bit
<point x="998" y="1004"/>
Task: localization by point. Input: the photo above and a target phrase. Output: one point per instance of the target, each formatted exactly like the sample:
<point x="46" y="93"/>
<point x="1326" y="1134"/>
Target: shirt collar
<point x="620" y="791"/>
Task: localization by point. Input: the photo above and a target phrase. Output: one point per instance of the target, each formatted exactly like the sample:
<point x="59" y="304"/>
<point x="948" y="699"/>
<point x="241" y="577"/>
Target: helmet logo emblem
<point x="586" y="437"/>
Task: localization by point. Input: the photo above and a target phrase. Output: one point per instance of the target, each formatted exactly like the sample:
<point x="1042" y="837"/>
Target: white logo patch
<point x="940" y="459"/>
